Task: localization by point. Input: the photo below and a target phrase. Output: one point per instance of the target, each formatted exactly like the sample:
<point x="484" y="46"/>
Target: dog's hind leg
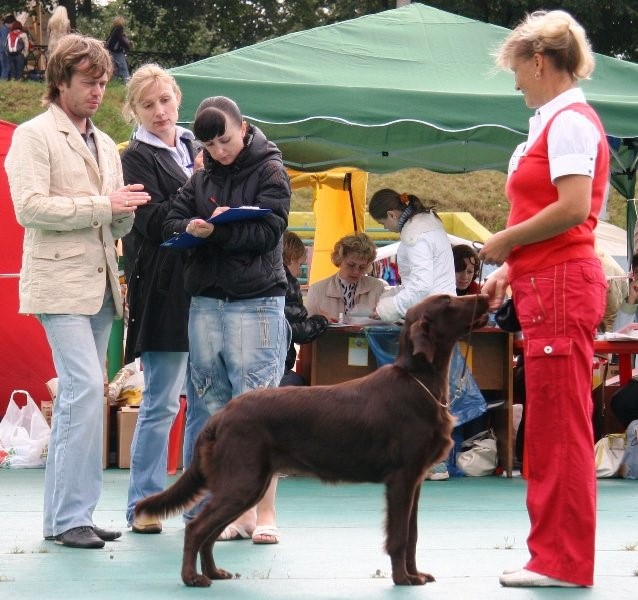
<point x="199" y="537"/>
<point x="231" y="498"/>
<point x="401" y="491"/>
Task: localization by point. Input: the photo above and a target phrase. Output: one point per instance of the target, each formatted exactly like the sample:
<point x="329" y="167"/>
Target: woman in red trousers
<point x="556" y="185"/>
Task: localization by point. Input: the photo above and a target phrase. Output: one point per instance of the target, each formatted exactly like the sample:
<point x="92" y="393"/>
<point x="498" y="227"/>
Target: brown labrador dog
<point x="388" y="427"/>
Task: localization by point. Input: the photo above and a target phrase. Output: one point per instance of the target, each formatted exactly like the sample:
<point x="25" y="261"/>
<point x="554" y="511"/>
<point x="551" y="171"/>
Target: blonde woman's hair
<point x="359" y="244"/>
<point x="140" y="81"/>
<point x="555" y="34"/>
<point x="74" y="53"/>
<point x="59" y="21"/>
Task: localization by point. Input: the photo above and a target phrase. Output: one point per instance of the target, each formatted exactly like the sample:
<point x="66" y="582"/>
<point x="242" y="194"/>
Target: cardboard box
<point x="126" y="421"/>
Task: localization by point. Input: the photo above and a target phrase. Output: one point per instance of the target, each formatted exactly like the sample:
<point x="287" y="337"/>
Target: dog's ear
<point x="421" y="339"/>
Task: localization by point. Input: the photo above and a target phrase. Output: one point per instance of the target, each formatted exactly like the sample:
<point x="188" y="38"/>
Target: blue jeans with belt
<point x="73" y="475"/>
<point x="236" y="346"/>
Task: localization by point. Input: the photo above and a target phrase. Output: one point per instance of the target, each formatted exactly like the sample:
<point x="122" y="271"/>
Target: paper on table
<point x="613" y="336"/>
<point x="240" y="213"/>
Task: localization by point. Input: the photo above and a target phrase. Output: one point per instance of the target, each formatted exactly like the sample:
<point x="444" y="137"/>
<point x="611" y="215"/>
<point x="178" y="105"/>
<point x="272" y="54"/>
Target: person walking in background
<point x="18" y="50"/>
<point x="57" y="27"/>
<point x="238" y="334"/>
<point x="68" y="193"/>
<point x="5" y="28"/>
<point x="348" y="291"/>
<point x="556" y="185"/>
<point x="304" y="328"/>
<point x="160" y="156"/>
<point x="118" y="45"/>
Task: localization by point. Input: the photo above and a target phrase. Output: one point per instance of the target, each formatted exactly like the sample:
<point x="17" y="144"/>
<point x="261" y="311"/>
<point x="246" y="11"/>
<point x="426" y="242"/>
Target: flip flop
<point x="266" y="534"/>
<point x="233" y="533"/>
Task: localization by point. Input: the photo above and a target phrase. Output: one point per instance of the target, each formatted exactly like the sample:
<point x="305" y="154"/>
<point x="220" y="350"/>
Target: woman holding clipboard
<point x="237" y="330"/>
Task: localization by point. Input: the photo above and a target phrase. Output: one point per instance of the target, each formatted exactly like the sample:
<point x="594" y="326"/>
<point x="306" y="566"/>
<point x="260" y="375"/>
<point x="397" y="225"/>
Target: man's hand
<point x="127" y="199"/>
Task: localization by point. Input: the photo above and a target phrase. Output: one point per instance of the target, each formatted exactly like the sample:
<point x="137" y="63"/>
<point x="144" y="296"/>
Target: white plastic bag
<point x="480" y="459"/>
<point x="24" y="435"/>
<point x="609" y="451"/>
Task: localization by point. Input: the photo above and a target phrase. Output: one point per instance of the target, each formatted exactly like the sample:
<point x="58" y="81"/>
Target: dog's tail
<point x="185" y="493"/>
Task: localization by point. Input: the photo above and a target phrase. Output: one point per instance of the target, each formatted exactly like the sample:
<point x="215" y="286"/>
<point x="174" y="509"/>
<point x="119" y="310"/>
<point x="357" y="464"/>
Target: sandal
<point x="233" y="533"/>
<point x="266" y="534"/>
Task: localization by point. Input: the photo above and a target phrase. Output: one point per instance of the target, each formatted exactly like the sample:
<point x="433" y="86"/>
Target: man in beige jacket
<point x="67" y="189"/>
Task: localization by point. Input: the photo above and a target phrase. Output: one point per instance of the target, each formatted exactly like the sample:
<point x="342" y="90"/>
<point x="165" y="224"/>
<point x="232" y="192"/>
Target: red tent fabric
<point x="25" y="357"/>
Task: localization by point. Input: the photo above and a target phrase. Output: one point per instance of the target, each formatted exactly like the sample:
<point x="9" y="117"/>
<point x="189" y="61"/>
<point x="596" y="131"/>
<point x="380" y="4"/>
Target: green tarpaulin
<point x="410" y="87"/>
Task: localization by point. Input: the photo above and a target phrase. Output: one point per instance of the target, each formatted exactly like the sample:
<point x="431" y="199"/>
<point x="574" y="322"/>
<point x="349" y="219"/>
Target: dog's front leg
<point x="400" y="493"/>
<point x="413" y="534"/>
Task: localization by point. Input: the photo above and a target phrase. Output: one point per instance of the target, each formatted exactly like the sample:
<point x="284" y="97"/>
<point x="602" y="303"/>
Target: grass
<point x="480" y="193"/>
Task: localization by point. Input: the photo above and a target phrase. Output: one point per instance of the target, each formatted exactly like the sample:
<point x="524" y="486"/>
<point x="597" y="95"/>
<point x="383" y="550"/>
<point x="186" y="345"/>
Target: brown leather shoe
<point x="146" y="525"/>
<point x="79" y="537"/>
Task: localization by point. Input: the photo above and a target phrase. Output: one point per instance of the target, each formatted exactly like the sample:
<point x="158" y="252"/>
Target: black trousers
<point x="624" y="403"/>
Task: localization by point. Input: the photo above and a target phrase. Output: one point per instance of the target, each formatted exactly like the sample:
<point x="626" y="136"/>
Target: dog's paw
<point x="425" y="578"/>
<point x="220" y="574"/>
<point x="412" y="579"/>
<point x="196" y="580"/>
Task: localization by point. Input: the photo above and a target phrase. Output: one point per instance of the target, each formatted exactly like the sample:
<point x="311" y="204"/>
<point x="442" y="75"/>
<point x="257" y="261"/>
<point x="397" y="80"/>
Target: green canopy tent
<point x="409" y="87"/>
<point x="624" y="160"/>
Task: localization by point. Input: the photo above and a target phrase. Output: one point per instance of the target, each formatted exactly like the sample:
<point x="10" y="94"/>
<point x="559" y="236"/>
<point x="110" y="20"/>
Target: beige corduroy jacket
<point x="60" y="195"/>
<point x="325" y="296"/>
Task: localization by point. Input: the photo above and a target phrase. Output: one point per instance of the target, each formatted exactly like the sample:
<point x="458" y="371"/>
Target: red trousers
<point x="559" y="309"/>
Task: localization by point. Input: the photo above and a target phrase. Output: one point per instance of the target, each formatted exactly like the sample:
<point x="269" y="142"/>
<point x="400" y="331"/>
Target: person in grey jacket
<point x="67" y="189"/>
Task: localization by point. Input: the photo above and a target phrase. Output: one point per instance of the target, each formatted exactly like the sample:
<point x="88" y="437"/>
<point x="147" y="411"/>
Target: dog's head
<point x="437" y="322"/>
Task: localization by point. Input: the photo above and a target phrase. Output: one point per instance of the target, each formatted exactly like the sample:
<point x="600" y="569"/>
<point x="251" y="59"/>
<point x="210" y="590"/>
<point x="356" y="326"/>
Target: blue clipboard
<point x="232" y="215"/>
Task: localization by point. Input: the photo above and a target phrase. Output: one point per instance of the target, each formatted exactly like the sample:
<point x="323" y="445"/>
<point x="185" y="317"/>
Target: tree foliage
<point x="209" y="27"/>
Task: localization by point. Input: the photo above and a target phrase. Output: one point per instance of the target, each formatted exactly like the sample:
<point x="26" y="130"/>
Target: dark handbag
<point x="506" y="317"/>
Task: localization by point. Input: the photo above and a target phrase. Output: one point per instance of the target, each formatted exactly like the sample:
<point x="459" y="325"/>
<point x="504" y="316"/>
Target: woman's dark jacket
<point x="239" y="260"/>
<point x="117" y="41"/>
<point x="158" y="303"/>
<point x="304" y="328"/>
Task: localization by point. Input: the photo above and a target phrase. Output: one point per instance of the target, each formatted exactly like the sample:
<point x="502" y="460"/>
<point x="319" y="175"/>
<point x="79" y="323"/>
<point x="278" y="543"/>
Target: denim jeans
<point x="4" y="64"/>
<point x="164" y="374"/>
<point x="16" y="66"/>
<point x="73" y="475"/>
<point x="234" y="347"/>
<point x="120" y="65"/>
<point x="196" y="416"/>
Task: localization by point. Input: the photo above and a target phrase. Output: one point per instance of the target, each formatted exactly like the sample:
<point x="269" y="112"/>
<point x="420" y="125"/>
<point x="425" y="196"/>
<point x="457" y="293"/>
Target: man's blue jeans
<point x="73" y="475"/>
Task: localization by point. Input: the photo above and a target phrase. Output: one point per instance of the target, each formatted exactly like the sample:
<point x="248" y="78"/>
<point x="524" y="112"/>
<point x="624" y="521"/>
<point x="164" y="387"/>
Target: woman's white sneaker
<point x="525" y="578"/>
